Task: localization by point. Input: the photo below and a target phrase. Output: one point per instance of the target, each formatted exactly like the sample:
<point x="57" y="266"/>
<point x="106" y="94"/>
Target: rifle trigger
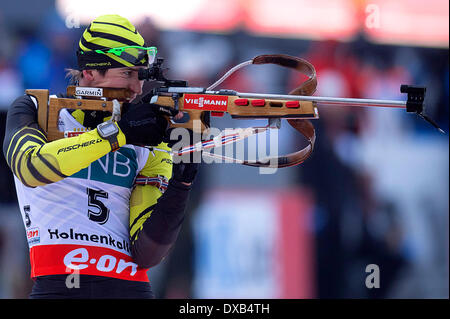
<point x="184" y="119"/>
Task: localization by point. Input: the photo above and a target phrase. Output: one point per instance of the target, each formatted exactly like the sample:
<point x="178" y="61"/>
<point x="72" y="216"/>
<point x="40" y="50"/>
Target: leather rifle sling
<point x="305" y="127"/>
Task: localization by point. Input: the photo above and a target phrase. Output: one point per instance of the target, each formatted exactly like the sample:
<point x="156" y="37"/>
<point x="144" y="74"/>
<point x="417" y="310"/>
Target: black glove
<point x="184" y="172"/>
<point x="144" y="124"/>
<point x="184" y="168"/>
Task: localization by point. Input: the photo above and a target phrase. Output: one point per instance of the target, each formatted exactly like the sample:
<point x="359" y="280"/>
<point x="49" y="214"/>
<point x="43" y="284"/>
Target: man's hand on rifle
<point x="185" y="168"/>
<point x="145" y="124"/>
<point x="184" y="173"/>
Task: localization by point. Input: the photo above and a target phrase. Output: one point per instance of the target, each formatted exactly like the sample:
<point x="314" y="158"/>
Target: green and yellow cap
<point x="111" y="41"/>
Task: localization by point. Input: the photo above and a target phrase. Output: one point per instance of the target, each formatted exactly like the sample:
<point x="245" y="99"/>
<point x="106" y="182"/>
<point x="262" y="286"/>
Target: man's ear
<point x="89" y="75"/>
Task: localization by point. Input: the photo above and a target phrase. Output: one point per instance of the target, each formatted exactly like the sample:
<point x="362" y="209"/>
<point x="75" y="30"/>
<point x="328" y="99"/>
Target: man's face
<point x="125" y="78"/>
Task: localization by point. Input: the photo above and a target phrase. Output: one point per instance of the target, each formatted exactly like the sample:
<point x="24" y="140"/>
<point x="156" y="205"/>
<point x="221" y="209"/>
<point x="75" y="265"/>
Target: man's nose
<point x="136" y="86"/>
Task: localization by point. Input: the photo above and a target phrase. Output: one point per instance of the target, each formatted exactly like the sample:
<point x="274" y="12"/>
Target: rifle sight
<point x="155" y="73"/>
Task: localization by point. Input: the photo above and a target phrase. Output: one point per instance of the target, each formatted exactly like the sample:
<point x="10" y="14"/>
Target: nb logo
<point x="118" y="168"/>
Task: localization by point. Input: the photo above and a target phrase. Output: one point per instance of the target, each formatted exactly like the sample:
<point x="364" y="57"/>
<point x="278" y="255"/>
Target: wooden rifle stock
<point x="194" y="105"/>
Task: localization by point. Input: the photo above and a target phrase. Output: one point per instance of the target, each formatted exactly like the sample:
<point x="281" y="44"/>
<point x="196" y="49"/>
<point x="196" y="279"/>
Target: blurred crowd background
<point x="374" y="191"/>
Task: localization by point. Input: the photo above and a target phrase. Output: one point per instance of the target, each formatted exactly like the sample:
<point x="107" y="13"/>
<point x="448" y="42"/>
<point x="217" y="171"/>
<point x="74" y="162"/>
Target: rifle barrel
<point x="319" y="100"/>
<point x="328" y="100"/>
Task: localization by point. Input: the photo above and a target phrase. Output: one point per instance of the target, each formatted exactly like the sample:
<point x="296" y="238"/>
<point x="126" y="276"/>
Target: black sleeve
<point x="161" y="229"/>
<point x="21" y="114"/>
<point x="22" y="137"/>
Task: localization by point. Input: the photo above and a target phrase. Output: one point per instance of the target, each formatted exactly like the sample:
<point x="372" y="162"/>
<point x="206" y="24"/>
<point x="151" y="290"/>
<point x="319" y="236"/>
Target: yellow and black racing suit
<point x="92" y="230"/>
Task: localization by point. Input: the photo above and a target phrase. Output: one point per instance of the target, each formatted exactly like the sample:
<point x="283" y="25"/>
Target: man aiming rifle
<point x="99" y="205"/>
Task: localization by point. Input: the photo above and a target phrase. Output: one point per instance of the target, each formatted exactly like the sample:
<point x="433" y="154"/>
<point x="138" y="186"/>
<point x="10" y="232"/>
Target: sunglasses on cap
<point x="133" y="54"/>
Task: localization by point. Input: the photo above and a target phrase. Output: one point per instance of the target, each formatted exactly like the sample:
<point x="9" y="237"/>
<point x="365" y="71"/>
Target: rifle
<point x="199" y="104"/>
